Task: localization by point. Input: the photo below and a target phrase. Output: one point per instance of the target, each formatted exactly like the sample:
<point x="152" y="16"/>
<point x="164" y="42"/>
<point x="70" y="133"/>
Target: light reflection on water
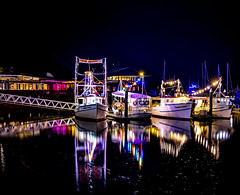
<point x="109" y="154"/>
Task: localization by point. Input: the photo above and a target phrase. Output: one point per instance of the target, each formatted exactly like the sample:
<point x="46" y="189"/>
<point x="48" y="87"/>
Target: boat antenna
<point x="120" y="86"/>
<point x="164" y="64"/>
<point x="219" y="73"/>
<point x="229" y="74"/>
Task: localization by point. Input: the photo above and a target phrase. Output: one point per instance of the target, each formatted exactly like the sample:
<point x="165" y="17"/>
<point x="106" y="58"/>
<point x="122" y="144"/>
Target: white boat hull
<point x="180" y="110"/>
<point x="92" y="111"/>
<point x="222" y="111"/>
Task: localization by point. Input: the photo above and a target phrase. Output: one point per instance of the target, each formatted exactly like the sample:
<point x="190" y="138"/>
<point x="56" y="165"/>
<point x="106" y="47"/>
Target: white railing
<point x="17" y="127"/>
<point x="37" y="102"/>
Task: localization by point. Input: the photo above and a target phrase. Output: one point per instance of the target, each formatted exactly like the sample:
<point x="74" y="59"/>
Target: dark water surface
<point x="53" y="154"/>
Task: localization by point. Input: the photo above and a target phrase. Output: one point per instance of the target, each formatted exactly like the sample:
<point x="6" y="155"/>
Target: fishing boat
<point x="91" y="103"/>
<point x="221" y="104"/>
<point x="178" y="106"/>
<point x="138" y="104"/>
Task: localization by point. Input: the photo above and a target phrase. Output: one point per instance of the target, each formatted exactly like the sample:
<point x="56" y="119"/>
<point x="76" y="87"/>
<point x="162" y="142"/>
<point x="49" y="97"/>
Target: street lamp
<point x="142" y="76"/>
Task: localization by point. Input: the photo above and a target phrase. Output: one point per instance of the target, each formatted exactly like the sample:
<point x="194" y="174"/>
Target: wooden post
<point x="126" y="103"/>
<point x="210" y="101"/>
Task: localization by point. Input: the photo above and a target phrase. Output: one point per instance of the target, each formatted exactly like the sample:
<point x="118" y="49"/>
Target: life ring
<point x="135" y="103"/>
<point x="142" y="103"/>
<point x="147" y="102"/>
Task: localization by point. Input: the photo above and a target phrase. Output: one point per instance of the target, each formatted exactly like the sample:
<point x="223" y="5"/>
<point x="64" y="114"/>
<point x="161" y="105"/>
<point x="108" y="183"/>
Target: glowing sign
<point x="89" y="61"/>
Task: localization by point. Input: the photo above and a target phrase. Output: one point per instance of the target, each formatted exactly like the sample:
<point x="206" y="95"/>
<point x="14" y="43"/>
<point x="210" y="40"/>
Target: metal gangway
<point x="37" y="102"/>
<point x="18" y="127"/>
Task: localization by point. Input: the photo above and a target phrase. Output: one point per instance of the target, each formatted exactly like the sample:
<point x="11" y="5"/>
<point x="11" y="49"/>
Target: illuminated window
<point x="45" y="87"/>
<point x="58" y="87"/>
<point x="63" y="86"/>
<point x="34" y="86"/>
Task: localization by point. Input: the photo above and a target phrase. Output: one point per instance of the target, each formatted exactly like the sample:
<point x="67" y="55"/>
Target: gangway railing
<point x="17" y="127"/>
<point x="37" y="102"/>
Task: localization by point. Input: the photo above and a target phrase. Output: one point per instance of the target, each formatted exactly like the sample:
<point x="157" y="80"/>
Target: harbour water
<point x="49" y="153"/>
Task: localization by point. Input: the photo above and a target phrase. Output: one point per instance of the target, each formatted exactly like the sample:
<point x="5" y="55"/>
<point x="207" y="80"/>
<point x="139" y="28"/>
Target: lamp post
<point x="142" y="76"/>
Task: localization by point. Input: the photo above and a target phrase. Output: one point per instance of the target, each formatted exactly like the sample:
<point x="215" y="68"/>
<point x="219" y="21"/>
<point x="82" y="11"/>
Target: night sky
<point x="39" y="38"/>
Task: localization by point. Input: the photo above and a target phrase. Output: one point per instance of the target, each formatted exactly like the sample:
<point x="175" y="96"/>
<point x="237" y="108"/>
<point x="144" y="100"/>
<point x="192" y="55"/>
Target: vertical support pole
<point x="210" y="101"/>
<point x="178" y="88"/>
<point x="75" y="80"/>
<point x="105" y="81"/>
<point x="126" y="103"/>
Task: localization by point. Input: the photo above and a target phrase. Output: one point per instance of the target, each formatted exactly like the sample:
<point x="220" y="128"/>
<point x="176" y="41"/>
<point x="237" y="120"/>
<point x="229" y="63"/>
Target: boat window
<point x="155" y="103"/>
<point x="218" y="101"/>
<point x="80" y="101"/>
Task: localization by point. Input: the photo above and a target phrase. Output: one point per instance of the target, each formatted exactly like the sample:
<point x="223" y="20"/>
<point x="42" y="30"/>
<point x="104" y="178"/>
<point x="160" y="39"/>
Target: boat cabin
<point x="136" y="102"/>
<point x="158" y="101"/>
<point x="91" y="99"/>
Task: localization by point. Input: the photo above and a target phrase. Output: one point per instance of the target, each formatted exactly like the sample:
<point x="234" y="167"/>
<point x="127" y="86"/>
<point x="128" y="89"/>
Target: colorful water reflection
<point x="167" y="143"/>
<point x="90" y="154"/>
<point x="131" y="138"/>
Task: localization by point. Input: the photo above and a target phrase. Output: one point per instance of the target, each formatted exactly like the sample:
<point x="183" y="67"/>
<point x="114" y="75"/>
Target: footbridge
<point x="17" y="127"/>
<point x="37" y="102"/>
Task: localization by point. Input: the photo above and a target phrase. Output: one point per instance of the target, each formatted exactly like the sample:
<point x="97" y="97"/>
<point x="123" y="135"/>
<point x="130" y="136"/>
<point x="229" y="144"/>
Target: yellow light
<point x="141" y="73"/>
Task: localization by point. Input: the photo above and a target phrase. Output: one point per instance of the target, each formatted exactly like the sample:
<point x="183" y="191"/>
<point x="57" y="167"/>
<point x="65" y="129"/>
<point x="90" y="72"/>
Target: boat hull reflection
<point x="90" y="155"/>
<point x="173" y="134"/>
<point x="93" y="126"/>
<point x="211" y="134"/>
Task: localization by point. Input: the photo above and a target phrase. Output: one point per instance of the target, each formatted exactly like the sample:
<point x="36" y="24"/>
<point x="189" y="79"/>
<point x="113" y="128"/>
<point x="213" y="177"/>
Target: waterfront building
<point x="25" y="82"/>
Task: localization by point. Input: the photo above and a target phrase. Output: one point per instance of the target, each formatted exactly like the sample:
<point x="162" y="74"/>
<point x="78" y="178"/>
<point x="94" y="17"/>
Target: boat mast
<point x="229" y="75"/>
<point x="178" y="87"/>
<point x="75" y="80"/>
<point x="219" y="75"/>
<point x="227" y="78"/>
<point x="89" y="85"/>
<point x="162" y="89"/>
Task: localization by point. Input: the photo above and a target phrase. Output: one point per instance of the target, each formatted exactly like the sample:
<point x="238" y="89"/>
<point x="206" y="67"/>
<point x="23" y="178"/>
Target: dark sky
<point x="38" y="38"/>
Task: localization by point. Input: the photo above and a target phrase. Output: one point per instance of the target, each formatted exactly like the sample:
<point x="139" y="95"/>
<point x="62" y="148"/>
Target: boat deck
<point x="111" y="115"/>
